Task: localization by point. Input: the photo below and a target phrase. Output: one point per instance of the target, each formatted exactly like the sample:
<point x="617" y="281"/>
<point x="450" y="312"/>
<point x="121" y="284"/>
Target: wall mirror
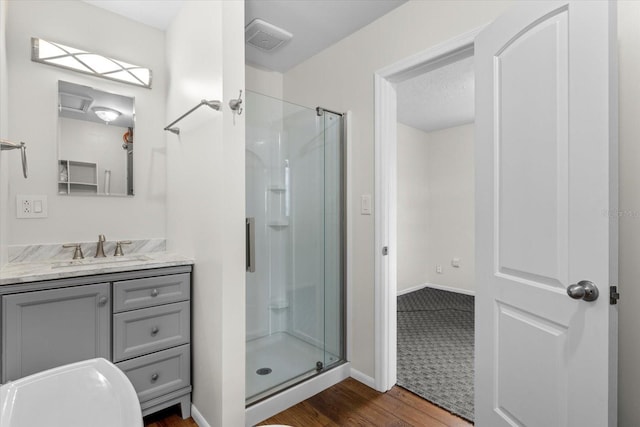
<point x="95" y="141"/>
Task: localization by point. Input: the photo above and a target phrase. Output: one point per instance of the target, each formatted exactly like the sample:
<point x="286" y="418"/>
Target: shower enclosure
<point x="295" y="230"/>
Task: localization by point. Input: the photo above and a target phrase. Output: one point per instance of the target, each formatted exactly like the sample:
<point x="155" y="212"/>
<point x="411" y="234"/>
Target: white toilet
<point x="89" y="393"/>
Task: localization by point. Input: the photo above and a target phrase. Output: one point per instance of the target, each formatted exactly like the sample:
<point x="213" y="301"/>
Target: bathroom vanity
<point x="137" y="315"/>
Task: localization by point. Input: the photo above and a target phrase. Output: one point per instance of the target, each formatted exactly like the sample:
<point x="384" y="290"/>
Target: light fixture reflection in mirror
<point x="106" y="114"/>
<point x="95" y="141"/>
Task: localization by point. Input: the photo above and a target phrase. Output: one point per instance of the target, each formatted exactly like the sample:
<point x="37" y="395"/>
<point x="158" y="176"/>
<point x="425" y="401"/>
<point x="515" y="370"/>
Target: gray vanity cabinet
<point x="140" y="320"/>
<point x="49" y="328"/>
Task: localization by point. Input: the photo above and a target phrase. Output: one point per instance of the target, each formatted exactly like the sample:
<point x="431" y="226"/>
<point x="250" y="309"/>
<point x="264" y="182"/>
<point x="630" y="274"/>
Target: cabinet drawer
<point x="152" y="329"/>
<point x="159" y="373"/>
<point x="151" y="291"/>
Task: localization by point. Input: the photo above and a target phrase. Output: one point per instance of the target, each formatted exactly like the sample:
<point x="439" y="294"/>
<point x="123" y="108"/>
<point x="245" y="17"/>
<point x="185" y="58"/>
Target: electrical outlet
<point x="28" y="206"/>
<point x="439" y="269"/>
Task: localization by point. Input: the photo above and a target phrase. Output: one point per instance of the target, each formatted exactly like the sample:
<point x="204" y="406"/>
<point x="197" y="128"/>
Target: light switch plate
<point x="365" y="204"/>
<point x="31" y="206"/>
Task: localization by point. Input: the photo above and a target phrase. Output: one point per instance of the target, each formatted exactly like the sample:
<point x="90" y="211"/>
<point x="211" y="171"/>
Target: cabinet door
<point x="45" y="329"/>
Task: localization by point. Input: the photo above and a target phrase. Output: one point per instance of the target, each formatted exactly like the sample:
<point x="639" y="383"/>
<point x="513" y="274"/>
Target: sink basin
<point x="89" y="262"/>
<point x="88" y="393"/>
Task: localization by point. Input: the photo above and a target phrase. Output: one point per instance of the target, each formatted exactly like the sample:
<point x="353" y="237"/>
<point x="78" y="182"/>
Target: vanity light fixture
<point x="85" y="62"/>
<point x="106" y="114"/>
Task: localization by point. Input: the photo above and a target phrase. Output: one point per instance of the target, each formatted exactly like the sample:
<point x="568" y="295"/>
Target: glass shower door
<point x="334" y="230"/>
<point x="294" y="295"/>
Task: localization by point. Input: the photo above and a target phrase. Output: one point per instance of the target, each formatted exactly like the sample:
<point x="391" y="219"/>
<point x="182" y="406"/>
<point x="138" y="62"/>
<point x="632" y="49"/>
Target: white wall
<point x="629" y="225"/>
<point x="205" y="197"/>
<point x="98" y="143"/>
<point x="413" y="208"/>
<point x="264" y="81"/>
<point x="33" y="115"/>
<point x="450" y="230"/>
<point x="4" y="131"/>
<point x="435" y="207"/>
<point x="341" y="78"/>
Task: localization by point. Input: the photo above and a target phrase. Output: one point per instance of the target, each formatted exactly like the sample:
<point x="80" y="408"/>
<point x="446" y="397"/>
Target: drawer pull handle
<point x="154" y="331"/>
<point x="102" y="300"/>
<point x="154" y="378"/>
<point x="155" y="293"/>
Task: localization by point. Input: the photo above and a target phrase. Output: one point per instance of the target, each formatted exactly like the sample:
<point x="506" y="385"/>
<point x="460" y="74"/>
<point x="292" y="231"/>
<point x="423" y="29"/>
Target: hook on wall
<point x="236" y="104"/>
<point x="9" y="145"/>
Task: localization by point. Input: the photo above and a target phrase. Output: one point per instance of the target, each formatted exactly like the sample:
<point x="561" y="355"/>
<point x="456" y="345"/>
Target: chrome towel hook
<point x="236" y="104"/>
<point x="8" y="145"/>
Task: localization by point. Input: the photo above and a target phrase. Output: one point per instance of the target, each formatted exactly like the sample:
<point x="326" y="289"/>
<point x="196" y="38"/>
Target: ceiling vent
<point x="74" y="102"/>
<point x="265" y="36"/>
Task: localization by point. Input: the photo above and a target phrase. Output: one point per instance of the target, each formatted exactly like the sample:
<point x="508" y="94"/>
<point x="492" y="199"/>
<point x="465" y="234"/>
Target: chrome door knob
<point x="584" y="290"/>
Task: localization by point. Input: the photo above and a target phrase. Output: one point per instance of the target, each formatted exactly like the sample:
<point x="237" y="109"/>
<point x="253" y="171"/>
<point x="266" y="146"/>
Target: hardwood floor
<point x="348" y="403"/>
<point x="351" y="403"/>
<point x="169" y="417"/>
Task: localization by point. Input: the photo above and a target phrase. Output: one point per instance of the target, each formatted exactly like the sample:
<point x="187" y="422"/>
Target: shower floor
<point x="288" y="357"/>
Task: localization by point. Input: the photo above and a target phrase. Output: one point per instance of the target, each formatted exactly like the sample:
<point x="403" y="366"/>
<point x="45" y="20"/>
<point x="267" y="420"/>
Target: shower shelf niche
<point x="277" y="206"/>
<point x="277" y="188"/>
<point x="279" y="304"/>
<point x="278" y="223"/>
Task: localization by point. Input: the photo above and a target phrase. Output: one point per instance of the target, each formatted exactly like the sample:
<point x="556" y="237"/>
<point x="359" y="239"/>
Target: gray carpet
<point x="435" y="348"/>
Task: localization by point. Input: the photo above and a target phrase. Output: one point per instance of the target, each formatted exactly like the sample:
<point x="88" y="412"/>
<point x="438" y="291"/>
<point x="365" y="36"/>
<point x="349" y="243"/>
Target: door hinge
<point x="385" y="250"/>
<point x="614" y="296"/>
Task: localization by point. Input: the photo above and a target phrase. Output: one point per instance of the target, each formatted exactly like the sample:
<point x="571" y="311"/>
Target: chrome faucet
<point x="100" y="247"/>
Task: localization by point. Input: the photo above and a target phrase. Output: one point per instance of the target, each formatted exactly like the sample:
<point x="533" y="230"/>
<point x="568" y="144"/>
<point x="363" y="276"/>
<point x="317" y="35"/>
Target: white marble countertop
<point x="26" y="272"/>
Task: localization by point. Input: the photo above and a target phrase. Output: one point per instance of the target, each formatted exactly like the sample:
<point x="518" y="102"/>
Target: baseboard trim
<point x="434" y="286"/>
<point x="197" y="417"/>
<point x="412" y="289"/>
<point x="364" y="379"/>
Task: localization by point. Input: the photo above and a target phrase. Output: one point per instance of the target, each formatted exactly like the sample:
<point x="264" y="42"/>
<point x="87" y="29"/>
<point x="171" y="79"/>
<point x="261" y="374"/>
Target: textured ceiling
<point x="439" y="99"/>
<point x="315" y="25"/>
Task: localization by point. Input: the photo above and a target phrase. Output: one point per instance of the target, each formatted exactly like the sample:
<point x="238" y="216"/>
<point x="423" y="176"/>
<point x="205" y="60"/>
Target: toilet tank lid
<point x="91" y="392"/>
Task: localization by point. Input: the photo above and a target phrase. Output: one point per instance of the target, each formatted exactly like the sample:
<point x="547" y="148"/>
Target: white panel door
<point x="546" y="183"/>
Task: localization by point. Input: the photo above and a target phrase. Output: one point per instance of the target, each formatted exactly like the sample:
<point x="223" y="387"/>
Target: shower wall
<point x="266" y="153"/>
<point x="308" y="228"/>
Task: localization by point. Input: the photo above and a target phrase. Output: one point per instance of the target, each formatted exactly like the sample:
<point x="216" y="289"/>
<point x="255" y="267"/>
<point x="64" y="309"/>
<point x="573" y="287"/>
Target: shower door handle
<point x="251" y="244"/>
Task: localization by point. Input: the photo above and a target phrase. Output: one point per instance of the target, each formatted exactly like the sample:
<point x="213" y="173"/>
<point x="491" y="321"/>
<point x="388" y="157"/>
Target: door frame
<point x="385" y="181"/>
